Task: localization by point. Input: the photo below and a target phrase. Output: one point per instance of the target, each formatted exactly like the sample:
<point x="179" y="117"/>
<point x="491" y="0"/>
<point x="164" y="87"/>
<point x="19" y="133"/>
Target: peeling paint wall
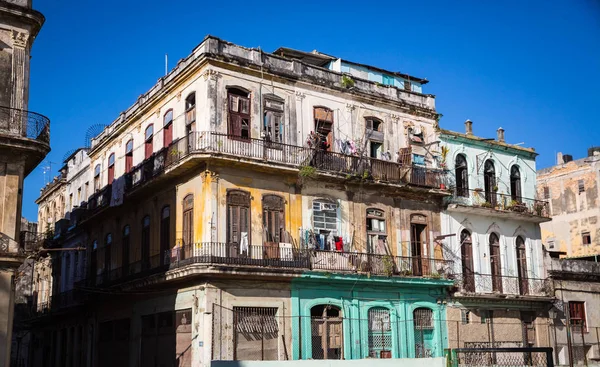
<point x="573" y="212"/>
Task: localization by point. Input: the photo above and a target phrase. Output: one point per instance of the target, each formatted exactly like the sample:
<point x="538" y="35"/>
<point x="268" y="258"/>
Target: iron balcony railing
<point x="24" y="124"/>
<point x="302" y="158"/>
<point x="485" y="284"/>
<point x="500" y="202"/>
<point x="274" y="255"/>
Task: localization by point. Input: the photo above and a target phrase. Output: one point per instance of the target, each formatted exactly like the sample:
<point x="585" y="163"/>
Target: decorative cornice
<point x="300" y="95"/>
<point x="350" y="107"/>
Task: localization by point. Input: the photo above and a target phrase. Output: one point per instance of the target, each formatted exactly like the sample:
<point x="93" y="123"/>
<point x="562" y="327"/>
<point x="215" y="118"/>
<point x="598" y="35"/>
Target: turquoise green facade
<point x="355" y="295"/>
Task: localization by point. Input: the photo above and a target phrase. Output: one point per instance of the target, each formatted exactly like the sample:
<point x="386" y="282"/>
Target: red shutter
<point x="148" y="148"/>
<point x="128" y="162"/>
<point x="111" y="174"/>
<point x="168" y="135"/>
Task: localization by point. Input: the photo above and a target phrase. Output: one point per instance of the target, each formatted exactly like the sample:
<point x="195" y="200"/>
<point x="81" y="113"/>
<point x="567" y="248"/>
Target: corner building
<point x="259" y="206"/>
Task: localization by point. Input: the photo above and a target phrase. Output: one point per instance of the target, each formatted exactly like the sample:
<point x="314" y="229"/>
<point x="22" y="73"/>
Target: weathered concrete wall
<point x="573" y="212"/>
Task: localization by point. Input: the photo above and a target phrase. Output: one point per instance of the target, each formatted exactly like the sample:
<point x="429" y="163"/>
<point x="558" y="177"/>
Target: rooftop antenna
<point x="166" y="64"/>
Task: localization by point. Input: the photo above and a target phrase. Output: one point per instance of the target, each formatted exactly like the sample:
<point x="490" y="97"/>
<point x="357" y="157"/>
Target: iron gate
<point x="467" y="357"/>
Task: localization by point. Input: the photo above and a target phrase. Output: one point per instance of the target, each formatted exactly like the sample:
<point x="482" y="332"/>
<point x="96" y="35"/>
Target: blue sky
<point x="532" y="67"/>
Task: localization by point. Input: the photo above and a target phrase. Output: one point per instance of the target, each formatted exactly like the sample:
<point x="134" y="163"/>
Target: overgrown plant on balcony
<point x="389" y="267"/>
<point x="539" y="209"/>
<point x="486" y="204"/>
<point x="436" y="276"/>
<point x="347" y="82"/>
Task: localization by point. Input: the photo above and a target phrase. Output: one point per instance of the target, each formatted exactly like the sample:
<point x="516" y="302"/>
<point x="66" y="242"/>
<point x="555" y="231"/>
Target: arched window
<point x="128" y="155"/>
<point x="495" y="263"/>
<point x="327" y="332"/>
<point x="273" y="217"/>
<point x="125" y="241"/>
<point x="165" y="233"/>
<point x="111" y="168"/>
<point x="97" y="177"/>
<point x="423" y="321"/>
<point x="466" y="255"/>
<point x="145" y="242"/>
<point x="190" y="109"/>
<point x="380" y="333"/>
<point x="323" y="117"/>
<point x="376" y="232"/>
<point x="238" y="219"/>
<point x="522" y="266"/>
<point x="148" y="138"/>
<point x="239" y="113"/>
<point x="168" y="128"/>
<point x="462" y="176"/>
<point x="489" y="182"/>
<point x="515" y="184"/>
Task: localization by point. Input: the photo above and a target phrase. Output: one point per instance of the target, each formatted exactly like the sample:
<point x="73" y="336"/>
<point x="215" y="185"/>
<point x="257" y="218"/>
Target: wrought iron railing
<point x="499" y="201"/>
<point x="480" y="284"/>
<point x="381" y="264"/>
<point x="348" y="166"/>
<point x="278" y="256"/>
<point x="25" y="124"/>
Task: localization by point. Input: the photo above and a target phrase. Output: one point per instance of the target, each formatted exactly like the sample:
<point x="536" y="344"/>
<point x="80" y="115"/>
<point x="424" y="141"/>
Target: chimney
<point x="500" y="133"/>
<point x="559" y="158"/>
<point x="469" y="127"/>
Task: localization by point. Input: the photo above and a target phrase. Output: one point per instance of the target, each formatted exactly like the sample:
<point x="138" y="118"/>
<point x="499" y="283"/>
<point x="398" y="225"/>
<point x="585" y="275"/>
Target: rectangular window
<point x="465" y="317"/>
<point x="581" y="186"/>
<point x="577" y="313"/>
<point x="586" y="238"/>
<point x="388" y="80"/>
<point x="239" y="114"/>
<point x="256" y="333"/>
<point x="273" y="121"/>
<point x="546" y="192"/>
<point x="324" y="217"/>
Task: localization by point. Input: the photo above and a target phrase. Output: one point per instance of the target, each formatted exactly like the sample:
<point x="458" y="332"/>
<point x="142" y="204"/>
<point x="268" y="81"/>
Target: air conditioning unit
<point x="328" y="207"/>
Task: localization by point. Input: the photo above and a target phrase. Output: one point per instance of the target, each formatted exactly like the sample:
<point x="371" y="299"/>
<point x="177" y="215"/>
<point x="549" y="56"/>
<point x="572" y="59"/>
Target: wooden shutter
<point x="168" y="134"/>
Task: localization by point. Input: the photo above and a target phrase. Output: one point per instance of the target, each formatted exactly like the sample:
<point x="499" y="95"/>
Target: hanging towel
<point x="244" y="243"/>
<point x="118" y="189"/>
<point x="339" y="244"/>
<point x="330" y="242"/>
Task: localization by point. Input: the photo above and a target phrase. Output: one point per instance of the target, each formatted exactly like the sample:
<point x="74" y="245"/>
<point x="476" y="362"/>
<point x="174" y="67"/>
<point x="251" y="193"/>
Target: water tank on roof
<point x="567" y="158"/>
<point x="593" y="151"/>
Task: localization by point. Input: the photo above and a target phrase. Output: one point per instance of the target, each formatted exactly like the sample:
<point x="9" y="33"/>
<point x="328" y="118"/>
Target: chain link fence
<point x="264" y="333"/>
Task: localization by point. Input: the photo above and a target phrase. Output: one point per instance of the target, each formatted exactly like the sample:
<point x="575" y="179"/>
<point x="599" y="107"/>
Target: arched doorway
<point x="489" y="182"/>
<point x="515" y="184"/>
<point x="423" y="326"/>
<point x="495" y="263"/>
<point x="326" y="332"/>
<point x="522" y="266"/>
<point x="466" y="255"/>
<point x="461" y="176"/>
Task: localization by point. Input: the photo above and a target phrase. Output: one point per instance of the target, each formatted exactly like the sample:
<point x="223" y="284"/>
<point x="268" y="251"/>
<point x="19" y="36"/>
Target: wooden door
<point x="522" y="266"/>
<point x="466" y="252"/>
<point x="495" y="263"/>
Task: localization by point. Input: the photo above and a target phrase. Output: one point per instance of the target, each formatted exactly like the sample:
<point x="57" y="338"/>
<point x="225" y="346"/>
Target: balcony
<point x="20" y="128"/>
<point x="307" y="160"/>
<point x="498" y="205"/>
<point x="273" y="256"/>
<point x="500" y="286"/>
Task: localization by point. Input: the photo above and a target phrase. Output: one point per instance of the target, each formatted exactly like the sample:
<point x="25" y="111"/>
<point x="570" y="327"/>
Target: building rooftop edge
<point x="488" y="141"/>
<point x="196" y="54"/>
